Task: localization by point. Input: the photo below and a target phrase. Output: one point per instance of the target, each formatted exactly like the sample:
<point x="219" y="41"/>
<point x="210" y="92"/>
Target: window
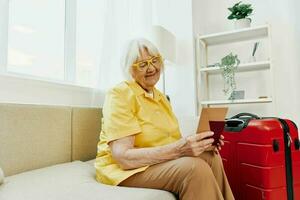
<point x="36" y="38"/>
<point x="69" y="40"/>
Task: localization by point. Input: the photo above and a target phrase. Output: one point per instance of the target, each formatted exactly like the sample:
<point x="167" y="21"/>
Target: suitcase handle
<point x="234" y="123"/>
<point x="253" y="116"/>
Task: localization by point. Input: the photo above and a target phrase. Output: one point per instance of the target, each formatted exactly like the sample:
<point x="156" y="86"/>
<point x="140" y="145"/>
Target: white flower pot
<point x="242" y="23"/>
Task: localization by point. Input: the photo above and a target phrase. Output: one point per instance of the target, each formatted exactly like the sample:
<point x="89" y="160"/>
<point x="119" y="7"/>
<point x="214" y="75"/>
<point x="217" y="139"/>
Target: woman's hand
<point x="194" y="145"/>
<point x="221" y="142"/>
<point x="219" y="145"/>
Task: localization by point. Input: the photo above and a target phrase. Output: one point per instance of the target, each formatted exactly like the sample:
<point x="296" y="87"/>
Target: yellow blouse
<point x="130" y="110"/>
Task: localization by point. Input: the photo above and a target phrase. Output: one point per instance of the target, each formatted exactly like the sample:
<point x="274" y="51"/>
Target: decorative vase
<point x="242" y="23"/>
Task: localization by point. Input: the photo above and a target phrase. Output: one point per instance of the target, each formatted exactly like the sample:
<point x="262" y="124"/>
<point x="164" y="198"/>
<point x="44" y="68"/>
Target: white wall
<point x="286" y="42"/>
<point x="211" y="16"/>
<point x="28" y="91"/>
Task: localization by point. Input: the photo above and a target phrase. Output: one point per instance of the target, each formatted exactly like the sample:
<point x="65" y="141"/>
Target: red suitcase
<point x="261" y="158"/>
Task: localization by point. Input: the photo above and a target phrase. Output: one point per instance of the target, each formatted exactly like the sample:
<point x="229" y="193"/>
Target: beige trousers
<point x="190" y="178"/>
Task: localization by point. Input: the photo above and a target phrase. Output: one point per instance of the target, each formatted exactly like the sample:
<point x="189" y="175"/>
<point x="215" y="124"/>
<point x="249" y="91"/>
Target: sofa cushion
<point x="70" y="181"/>
<point x="33" y="136"/>
<point x="86" y="127"/>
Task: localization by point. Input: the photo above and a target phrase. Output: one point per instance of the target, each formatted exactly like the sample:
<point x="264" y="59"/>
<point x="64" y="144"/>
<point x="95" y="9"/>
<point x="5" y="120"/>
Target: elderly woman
<point x="141" y="145"/>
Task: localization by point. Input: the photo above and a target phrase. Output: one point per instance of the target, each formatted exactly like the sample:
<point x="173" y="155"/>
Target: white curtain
<point x="123" y="20"/>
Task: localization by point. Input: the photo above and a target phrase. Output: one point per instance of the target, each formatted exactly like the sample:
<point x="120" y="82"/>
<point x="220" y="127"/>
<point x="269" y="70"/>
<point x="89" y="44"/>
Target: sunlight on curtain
<point x="123" y="20"/>
<point x="89" y="32"/>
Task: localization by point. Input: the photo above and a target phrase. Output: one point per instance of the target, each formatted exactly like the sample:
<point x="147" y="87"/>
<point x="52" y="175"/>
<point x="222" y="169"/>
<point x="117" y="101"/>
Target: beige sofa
<point x="43" y="153"/>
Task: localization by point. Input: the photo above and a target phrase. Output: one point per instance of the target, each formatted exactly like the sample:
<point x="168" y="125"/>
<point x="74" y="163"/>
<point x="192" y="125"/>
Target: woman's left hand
<point x="217" y="148"/>
<point x="220" y="144"/>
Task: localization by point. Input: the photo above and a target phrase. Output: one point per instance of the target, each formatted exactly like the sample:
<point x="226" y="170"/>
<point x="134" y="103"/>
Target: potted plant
<point x="240" y="12"/>
<point x="228" y="67"/>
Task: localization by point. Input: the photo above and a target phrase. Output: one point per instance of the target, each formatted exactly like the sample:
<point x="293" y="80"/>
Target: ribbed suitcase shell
<point x="256" y="167"/>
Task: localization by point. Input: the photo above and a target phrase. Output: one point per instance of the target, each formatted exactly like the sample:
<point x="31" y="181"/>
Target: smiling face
<point x="146" y="70"/>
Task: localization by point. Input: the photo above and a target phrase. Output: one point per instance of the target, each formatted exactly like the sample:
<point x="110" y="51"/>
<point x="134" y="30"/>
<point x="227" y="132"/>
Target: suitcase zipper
<point x="288" y="159"/>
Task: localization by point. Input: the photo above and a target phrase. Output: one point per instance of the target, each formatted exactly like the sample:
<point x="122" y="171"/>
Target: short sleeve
<point x="119" y="118"/>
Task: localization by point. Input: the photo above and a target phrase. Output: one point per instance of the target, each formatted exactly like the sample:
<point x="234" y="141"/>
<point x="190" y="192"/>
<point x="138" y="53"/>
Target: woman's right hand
<point x="194" y="145"/>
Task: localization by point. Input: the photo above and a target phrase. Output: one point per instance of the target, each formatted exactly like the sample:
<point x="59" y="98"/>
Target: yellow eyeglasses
<point x="144" y="65"/>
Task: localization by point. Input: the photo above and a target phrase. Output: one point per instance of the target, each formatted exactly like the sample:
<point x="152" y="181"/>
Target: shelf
<point x="239" y="101"/>
<point x="203" y="42"/>
<point x="235" y="35"/>
<point x="241" y="68"/>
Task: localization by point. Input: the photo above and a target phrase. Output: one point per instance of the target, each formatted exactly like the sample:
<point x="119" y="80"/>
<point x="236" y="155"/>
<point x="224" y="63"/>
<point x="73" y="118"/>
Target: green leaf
<point x="228" y="67"/>
<point x="240" y="11"/>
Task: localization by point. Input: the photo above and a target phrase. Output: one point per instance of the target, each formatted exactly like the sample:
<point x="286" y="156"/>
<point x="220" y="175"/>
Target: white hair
<point x="133" y="52"/>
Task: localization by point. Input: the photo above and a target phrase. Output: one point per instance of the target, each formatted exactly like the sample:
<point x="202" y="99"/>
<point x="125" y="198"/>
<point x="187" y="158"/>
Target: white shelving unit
<point x="202" y="44"/>
<point x="242" y="67"/>
<point x="238" y="101"/>
<point x="235" y="35"/>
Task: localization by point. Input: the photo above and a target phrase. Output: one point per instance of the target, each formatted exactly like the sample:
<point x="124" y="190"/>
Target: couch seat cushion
<point x="70" y="181"/>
